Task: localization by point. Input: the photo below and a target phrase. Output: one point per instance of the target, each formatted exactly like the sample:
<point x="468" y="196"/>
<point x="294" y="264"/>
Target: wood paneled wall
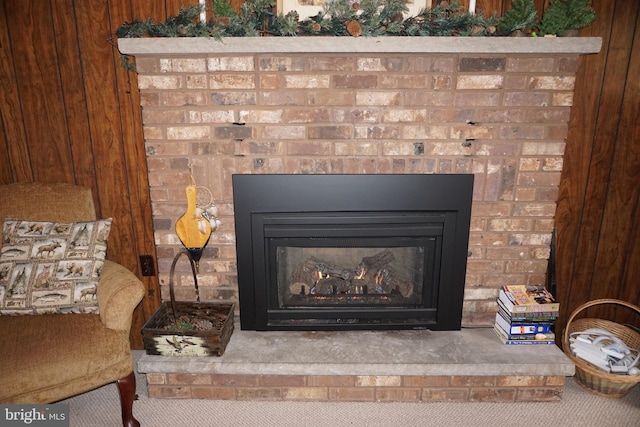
<point x="598" y="216"/>
<point x="69" y="113"/>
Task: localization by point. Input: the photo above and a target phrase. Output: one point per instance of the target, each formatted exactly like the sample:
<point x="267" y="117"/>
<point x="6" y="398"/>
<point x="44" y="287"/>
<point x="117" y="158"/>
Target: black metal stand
<point x="171" y="275"/>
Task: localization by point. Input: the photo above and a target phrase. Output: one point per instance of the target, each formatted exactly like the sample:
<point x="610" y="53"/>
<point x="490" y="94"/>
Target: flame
<point x="319" y="275"/>
<point x="378" y="279"/>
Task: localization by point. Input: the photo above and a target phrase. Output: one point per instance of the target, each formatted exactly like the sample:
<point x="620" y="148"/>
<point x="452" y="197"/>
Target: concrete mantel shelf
<point x="321" y="44"/>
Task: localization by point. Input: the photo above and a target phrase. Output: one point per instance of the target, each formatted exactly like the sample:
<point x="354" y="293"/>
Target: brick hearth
<point x="409" y="366"/>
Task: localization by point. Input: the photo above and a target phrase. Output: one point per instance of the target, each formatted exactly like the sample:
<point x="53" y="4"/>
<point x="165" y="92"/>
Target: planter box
<point x="212" y="342"/>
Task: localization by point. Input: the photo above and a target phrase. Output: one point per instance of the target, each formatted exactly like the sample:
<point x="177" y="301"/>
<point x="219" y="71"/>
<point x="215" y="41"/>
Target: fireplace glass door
<point x="342" y="276"/>
<point x="359" y="269"/>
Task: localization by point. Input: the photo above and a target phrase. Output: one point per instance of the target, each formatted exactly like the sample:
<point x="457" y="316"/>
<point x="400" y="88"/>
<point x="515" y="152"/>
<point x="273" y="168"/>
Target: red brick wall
<point x="501" y="117"/>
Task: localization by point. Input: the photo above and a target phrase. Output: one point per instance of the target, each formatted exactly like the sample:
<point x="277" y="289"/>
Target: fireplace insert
<point x="330" y="252"/>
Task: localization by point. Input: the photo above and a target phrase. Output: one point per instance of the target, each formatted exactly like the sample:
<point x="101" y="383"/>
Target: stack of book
<point x="526" y="315"/>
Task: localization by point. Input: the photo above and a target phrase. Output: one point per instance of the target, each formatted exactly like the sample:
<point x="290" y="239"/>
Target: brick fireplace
<point x="496" y="108"/>
<point x="493" y="107"/>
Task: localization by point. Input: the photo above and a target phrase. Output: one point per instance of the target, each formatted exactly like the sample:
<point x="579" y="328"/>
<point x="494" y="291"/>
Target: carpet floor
<point x="101" y="408"/>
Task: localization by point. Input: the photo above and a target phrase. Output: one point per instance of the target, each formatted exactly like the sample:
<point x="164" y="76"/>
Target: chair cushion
<point x="51" y="267"/>
<point x="53" y="356"/>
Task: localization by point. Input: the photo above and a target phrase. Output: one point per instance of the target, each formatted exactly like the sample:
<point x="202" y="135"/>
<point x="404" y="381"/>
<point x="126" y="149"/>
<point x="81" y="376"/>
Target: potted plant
<point x="566" y="17"/>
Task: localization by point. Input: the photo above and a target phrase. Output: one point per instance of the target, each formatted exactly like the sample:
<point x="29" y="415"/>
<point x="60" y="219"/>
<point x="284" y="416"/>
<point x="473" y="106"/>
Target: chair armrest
<point x="119" y="292"/>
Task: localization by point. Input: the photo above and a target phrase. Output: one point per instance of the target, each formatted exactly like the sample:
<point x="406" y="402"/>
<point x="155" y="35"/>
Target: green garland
<point x="339" y="18"/>
<point x="348" y="18"/>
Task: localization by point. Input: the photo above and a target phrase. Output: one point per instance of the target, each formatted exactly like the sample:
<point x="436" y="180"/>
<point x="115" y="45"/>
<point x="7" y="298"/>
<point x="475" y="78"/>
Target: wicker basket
<point x="590" y="377"/>
<point x="209" y="342"/>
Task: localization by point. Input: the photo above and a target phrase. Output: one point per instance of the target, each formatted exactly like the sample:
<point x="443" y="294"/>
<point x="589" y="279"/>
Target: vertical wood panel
<point x="626" y="174"/>
<point x="39" y="89"/>
<point x="619" y="204"/>
<point x="604" y="144"/>
<point x="13" y="140"/>
<point x="73" y="94"/>
<point x="573" y="190"/>
<point x="594" y="237"/>
<point x="104" y="122"/>
<point x="5" y="169"/>
<point x="172" y="7"/>
<point x="155" y="10"/>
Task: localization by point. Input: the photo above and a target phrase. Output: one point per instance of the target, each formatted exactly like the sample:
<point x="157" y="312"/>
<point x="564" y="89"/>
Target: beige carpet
<point x="100" y="408"/>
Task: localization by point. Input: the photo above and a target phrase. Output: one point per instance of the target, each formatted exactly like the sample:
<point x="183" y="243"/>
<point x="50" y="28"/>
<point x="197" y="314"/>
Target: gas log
<point x="373" y="275"/>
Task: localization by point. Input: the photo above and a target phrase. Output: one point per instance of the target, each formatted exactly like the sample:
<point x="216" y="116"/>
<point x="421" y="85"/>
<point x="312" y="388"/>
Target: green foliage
<point x="222" y="8"/>
<point x="345" y="18"/>
<point x="126" y="63"/>
<point x="449" y="21"/>
<point x="286" y="25"/>
<point x="523" y="16"/>
<point x="562" y="15"/>
<point x="255" y="18"/>
<point x="185" y="24"/>
<point x="371" y="18"/>
<point x="134" y="29"/>
<point x="179" y="325"/>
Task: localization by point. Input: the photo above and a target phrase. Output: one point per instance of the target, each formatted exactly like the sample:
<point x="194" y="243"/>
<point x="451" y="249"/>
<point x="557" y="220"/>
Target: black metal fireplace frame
<point x="260" y="199"/>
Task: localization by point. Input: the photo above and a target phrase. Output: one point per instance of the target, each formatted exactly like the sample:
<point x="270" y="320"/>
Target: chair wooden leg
<point x="127" y="389"/>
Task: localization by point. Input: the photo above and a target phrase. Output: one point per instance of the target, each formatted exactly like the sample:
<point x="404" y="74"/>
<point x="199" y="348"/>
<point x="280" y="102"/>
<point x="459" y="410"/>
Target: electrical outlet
<point x="147" y="265"/>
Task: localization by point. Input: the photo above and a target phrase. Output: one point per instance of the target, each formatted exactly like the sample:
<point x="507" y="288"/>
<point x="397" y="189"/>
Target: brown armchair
<point x="49" y="357"/>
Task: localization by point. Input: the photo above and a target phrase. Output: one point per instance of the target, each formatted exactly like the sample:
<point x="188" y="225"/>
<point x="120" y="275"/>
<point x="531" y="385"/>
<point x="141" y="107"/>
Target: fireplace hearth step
<point x="471" y="364"/>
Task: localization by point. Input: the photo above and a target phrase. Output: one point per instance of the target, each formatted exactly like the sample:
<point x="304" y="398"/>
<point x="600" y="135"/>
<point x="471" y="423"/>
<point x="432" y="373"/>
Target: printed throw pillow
<point x="51" y="267"/>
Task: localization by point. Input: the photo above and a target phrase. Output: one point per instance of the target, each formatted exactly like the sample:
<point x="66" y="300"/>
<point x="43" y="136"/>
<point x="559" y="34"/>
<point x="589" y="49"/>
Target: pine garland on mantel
<point x="369" y="18"/>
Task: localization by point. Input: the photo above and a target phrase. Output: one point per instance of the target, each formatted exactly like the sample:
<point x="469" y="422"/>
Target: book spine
<point x="536" y="308"/>
<point x="532" y="336"/>
<point x="522" y="328"/>
<point x="540" y="337"/>
<point x="543" y="316"/>
<point x="506" y="340"/>
<point x="527" y="342"/>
